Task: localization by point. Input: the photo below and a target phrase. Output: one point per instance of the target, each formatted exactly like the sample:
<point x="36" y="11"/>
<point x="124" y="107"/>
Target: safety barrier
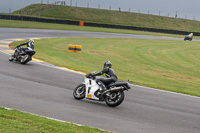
<point x="82" y="23"/>
<point x="74" y="48"/>
<point x="78" y="49"/>
<point x="35" y="19"/>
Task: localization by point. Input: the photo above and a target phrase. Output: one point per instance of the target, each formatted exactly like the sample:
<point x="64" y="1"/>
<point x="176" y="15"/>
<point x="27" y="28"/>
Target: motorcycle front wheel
<point x="79" y="92"/>
<point x="11" y="58"/>
<point x="115" y="98"/>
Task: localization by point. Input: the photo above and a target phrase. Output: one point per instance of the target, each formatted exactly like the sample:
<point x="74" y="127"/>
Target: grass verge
<point x="12" y="121"/>
<point x="164" y="64"/>
<point x="109" y="17"/>
<point x="40" y="25"/>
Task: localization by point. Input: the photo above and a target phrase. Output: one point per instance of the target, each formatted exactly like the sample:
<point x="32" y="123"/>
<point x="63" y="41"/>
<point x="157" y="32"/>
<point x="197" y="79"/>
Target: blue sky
<point x="185" y="8"/>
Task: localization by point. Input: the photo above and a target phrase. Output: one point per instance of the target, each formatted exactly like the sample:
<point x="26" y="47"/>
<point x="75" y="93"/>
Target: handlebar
<point x="90" y="76"/>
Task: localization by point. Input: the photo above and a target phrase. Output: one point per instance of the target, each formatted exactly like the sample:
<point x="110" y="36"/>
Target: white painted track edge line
<point x="50" y="118"/>
<point x="144" y="87"/>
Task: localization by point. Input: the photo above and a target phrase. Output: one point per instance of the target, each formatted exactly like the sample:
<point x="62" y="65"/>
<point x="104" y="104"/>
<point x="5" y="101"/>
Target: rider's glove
<point x="92" y="74"/>
<point x="87" y="75"/>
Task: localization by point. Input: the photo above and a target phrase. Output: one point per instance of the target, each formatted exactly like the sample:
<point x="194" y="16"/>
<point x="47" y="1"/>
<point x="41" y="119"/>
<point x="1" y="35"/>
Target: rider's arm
<point x="101" y="72"/>
<point x="26" y="43"/>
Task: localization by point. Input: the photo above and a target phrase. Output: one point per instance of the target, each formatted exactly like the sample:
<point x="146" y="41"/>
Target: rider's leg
<point x="16" y="53"/>
<point x="103" y="82"/>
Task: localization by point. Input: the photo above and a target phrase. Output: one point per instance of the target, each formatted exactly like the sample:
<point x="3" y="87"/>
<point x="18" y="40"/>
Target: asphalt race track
<point x="47" y="91"/>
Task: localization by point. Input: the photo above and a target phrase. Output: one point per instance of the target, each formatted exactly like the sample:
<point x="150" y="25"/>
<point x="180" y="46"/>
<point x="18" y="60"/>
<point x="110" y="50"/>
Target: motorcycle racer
<point x="29" y="44"/>
<point x="110" y="74"/>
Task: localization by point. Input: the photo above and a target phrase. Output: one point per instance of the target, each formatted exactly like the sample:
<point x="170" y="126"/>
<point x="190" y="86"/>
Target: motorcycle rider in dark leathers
<point x="29" y="44"/>
<point x="110" y="74"/>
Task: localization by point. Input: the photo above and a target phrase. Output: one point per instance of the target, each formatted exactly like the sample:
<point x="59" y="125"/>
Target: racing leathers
<point x="110" y="74"/>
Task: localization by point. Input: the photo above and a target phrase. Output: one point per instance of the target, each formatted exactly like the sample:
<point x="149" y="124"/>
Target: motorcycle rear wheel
<point x="26" y="59"/>
<point x="79" y="92"/>
<point x="115" y="98"/>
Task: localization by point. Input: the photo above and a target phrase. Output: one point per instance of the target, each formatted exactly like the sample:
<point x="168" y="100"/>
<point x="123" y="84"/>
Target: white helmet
<point x="31" y="43"/>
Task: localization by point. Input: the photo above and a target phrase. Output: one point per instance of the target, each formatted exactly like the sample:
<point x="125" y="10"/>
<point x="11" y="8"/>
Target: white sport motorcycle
<point x="90" y="89"/>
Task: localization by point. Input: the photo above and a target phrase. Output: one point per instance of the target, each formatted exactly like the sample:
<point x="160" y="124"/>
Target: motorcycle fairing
<point x="32" y="52"/>
<point x="91" y="88"/>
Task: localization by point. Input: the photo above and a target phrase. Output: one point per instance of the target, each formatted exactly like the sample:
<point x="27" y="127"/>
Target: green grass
<point x="109" y="17"/>
<point x="40" y="25"/>
<point x="164" y="64"/>
<point x="12" y="121"/>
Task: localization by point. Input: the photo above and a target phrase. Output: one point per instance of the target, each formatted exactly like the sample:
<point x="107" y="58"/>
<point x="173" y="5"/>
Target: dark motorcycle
<point x="24" y="55"/>
<point x="188" y="38"/>
<point x="89" y="89"/>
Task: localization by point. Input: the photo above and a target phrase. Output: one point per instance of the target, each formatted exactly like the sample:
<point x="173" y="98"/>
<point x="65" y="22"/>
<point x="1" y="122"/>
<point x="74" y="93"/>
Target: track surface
<point x="47" y="91"/>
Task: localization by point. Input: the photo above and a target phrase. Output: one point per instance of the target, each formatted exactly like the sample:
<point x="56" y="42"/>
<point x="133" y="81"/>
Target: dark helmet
<point x="107" y="64"/>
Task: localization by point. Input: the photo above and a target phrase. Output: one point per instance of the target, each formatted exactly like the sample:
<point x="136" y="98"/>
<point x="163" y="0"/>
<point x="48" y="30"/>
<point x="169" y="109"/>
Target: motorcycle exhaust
<point x="116" y="89"/>
<point x="113" y="89"/>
